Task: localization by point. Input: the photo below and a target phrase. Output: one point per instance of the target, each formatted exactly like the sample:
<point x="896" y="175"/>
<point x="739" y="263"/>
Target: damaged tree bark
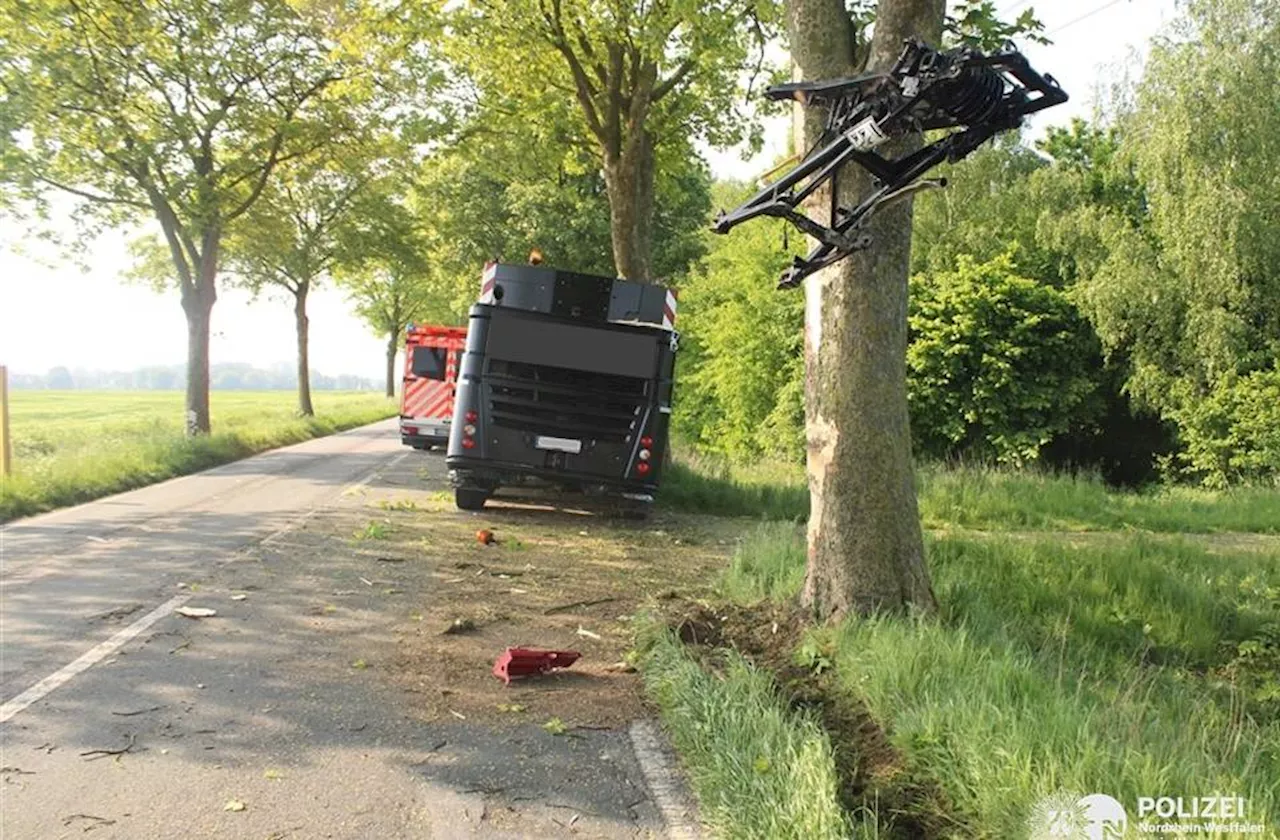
<point x="865" y="548"/>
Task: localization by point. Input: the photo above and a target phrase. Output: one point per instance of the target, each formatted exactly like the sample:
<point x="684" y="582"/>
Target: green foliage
<point x="1232" y="436"/>
<point x="1055" y="664"/>
<point x="175" y="114"/>
<point x="997" y="365"/>
<point x="1179" y="279"/>
<point x="722" y="489"/>
<point x="1002" y="499"/>
<point x="760" y="770"/>
<point x="741" y="365"/>
<point x="75" y="446"/>
<point x="768" y="565"/>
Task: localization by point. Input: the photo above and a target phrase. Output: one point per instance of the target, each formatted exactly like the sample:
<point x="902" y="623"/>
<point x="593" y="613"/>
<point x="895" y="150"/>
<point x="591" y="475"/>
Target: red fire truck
<point x="432" y="357"/>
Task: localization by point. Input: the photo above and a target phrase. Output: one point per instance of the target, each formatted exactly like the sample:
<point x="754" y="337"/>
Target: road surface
<point x="123" y="719"/>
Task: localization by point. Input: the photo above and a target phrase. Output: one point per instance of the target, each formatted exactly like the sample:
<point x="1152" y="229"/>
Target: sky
<point x="42" y="293"/>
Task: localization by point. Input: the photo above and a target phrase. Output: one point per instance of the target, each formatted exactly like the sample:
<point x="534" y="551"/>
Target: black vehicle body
<point x="566" y="379"/>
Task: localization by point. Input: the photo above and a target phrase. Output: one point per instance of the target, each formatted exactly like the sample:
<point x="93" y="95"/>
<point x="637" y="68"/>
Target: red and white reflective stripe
<point x="427" y="398"/>
<point x="669" y="311"/>
<point x="487" y="281"/>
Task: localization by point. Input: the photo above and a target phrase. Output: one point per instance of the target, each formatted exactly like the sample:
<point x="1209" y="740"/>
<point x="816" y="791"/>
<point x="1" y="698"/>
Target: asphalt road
<point x="123" y="719"/>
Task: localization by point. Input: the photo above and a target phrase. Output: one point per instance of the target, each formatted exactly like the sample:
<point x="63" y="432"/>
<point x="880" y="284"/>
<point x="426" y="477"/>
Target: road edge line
<point x="88" y="659"/>
<point x="662" y="781"/>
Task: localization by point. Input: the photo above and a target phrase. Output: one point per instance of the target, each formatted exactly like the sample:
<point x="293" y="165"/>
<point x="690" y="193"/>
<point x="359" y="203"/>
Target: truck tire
<point x="469" y="498"/>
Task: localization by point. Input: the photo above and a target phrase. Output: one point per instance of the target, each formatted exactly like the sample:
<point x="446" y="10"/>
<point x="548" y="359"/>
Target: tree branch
<point x="667" y="85"/>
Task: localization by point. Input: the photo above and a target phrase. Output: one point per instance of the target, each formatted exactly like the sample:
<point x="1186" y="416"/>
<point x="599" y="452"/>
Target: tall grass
<point x="73" y="446"/>
<point x="982" y="498"/>
<point x="1120" y="668"/>
<point x="759" y="769"/>
<point x="978" y="497"/>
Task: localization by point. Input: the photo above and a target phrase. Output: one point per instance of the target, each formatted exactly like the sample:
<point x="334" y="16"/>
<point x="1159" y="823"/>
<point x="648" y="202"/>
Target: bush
<point x="1233" y="436"/>
<point x="998" y="365"/>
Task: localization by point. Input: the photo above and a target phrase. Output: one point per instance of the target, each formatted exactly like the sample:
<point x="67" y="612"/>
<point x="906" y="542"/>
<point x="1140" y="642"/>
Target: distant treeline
<point x="225" y="377"/>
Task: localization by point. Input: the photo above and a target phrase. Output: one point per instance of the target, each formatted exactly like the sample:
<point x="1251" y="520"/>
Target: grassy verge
<point x="981" y="498"/>
<point x="759" y="769"/>
<point x="975" y="497"/>
<point x="1147" y="666"/>
<point x="73" y="446"/>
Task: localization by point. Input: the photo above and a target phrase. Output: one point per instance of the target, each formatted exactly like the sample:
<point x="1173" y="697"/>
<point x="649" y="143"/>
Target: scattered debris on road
<point x="234" y="805"/>
<point x="577" y="605"/>
<point x="527" y="662"/>
<point x="90" y="755"/>
<point x="138" y="711"/>
<point x="460" y="625"/>
<point x="582" y="631"/>
<point x="485" y="537"/>
<point x="196" y="612"/>
<point x="238" y="597"/>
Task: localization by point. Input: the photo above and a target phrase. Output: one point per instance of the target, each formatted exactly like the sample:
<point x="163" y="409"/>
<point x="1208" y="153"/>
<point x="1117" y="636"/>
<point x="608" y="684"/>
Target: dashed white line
<point x="663" y="783"/>
<point x="88" y="659"/>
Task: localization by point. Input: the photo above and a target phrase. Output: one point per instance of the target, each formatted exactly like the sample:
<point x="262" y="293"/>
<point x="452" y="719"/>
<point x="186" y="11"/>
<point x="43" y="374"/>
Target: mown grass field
<point x="1088" y="641"/>
<point x="73" y="446"/>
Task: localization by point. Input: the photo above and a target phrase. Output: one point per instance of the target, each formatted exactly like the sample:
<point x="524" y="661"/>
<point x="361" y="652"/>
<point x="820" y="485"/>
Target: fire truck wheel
<point x="468" y="498"/>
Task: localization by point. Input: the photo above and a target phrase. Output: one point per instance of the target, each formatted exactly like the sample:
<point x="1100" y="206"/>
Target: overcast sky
<point x="52" y="313"/>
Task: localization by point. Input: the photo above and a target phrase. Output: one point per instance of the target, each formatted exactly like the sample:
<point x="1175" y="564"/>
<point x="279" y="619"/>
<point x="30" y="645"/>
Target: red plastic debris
<point x="525" y="662"/>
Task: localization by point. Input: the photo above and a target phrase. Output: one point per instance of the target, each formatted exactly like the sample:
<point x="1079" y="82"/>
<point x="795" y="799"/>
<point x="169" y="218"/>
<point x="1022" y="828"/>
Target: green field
<point x="1088" y="641"/>
<point x="73" y="446"/>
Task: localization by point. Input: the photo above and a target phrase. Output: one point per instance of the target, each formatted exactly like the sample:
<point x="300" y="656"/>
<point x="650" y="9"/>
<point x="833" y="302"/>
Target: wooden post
<point x="6" y="454"/>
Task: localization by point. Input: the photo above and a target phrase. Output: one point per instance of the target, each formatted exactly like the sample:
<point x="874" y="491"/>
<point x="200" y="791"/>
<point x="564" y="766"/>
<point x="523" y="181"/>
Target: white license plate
<point x="558" y="444"/>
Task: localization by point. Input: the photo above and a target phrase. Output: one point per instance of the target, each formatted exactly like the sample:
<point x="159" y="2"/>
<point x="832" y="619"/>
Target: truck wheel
<point x="468" y="498"/>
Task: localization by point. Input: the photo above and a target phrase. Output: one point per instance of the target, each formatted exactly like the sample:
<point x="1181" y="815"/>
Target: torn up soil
<point x="465" y="586"/>
<point x="873" y="776"/>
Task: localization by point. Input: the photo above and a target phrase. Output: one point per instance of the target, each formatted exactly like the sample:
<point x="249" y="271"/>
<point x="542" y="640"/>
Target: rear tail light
<point x="471" y="417"/>
<point x="468" y="443"/>
<point x="644" y="455"/>
<point x="642" y="468"/>
<point x="646" y="442"/>
<point x="469" y="430"/>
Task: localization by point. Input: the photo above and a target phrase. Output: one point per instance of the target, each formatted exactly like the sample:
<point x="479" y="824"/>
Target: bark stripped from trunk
<point x="865" y="550"/>
<point x="302" y="323"/>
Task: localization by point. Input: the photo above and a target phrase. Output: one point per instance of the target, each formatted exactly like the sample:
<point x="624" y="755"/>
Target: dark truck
<point x="566" y="380"/>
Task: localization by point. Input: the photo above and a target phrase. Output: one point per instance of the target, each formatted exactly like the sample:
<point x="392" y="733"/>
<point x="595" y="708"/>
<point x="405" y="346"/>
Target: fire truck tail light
<point x="644" y="455"/>
<point x="468" y="430"/>
<point x="471" y="417"/>
<point x="468" y="443"/>
<point x="410" y="430"/>
<point x="642" y="468"/>
<point x="646" y="442"/>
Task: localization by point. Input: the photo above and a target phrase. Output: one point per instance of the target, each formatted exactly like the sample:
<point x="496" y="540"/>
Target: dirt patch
<point x="525" y="575"/>
<point x="872" y="775"/>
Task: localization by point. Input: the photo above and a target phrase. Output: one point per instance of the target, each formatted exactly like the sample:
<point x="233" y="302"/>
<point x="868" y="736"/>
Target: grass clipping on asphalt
<point x="1130" y="664"/>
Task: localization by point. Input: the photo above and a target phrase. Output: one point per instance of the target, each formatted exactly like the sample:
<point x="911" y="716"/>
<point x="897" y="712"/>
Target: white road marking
<point x="87" y="660"/>
<point x="110" y="646"/>
<point x="661" y="779"/>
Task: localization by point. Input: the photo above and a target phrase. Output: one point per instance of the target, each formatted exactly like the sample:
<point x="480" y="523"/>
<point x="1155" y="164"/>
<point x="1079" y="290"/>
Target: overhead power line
<point x="1084" y="16"/>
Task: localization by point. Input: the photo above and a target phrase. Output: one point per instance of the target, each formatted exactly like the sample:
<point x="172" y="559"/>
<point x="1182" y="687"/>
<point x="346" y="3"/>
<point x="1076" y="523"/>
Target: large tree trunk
<point x="628" y="181"/>
<point x="865" y="551"/>
<point x="302" y="323"/>
<point x="393" y="344"/>
<point x="197" y="303"/>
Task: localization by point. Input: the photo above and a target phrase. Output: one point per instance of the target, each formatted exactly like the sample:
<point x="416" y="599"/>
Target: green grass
<point x="768" y="491"/>
<point x="73" y="446"/>
<point x="975" y="497"/>
<point x="982" y="498"/>
<point x="759" y="770"/>
<point x="1133" y="666"/>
